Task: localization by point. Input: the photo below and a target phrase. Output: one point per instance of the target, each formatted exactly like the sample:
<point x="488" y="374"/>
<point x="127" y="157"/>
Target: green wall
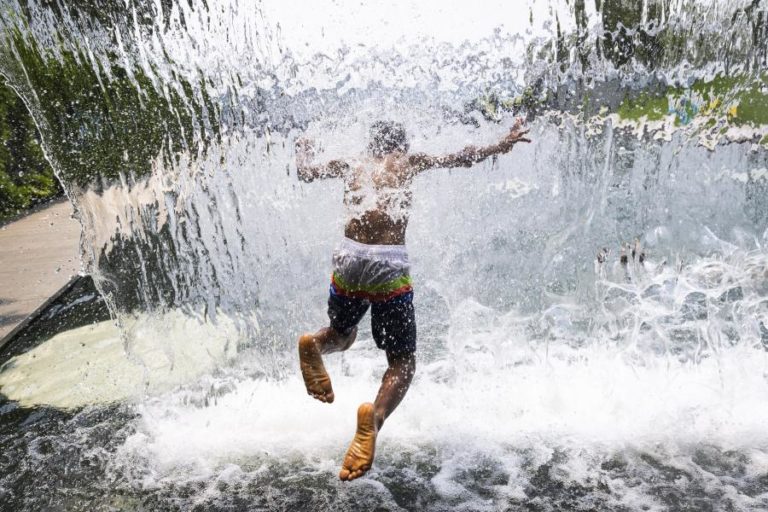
<point x="26" y="178"/>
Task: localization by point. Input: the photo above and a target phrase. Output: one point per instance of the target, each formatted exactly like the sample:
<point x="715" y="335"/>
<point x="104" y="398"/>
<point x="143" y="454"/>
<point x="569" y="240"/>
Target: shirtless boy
<point x="371" y="269"/>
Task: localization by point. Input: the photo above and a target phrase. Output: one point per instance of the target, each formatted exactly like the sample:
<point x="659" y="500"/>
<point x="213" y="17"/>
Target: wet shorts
<point x="375" y="276"/>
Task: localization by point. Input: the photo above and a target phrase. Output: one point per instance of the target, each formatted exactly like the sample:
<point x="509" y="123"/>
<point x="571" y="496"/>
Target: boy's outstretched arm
<point x="307" y="171"/>
<point x="470" y="155"/>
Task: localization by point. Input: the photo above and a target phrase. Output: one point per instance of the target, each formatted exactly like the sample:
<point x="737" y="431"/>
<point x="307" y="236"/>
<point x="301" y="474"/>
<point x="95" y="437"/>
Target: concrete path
<point x="39" y="253"/>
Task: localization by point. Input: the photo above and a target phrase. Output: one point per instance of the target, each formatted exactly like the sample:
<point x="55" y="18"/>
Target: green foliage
<point x="25" y="176"/>
<point x="753" y="108"/>
<point x="653" y="107"/>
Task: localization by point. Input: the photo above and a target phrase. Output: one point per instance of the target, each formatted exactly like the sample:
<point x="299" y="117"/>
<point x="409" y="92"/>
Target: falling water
<point x="546" y="381"/>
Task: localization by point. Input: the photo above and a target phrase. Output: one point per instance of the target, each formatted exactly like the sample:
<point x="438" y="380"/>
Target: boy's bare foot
<point x="313" y="370"/>
<point x="359" y="457"/>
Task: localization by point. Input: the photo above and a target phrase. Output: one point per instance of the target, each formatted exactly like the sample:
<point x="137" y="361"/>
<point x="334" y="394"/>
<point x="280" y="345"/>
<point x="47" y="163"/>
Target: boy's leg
<point x="325" y="341"/>
<point x="344" y="314"/>
<point x="328" y="340"/>
<point x="370" y="417"/>
<point x="394" y="385"/>
<point x="394" y="330"/>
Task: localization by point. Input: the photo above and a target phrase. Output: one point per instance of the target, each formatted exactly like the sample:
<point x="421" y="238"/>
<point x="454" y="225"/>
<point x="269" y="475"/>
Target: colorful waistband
<point x="373" y="292"/>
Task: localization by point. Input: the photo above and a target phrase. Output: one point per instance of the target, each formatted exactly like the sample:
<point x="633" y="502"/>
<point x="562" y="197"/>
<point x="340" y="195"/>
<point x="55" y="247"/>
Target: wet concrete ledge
<point x="39" y="257"/>
<point x="34" y="315"/>
<point x="76" y="304"/>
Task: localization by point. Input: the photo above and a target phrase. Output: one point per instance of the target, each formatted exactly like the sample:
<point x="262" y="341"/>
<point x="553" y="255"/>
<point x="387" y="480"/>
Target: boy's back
<point x="377" y="197"/>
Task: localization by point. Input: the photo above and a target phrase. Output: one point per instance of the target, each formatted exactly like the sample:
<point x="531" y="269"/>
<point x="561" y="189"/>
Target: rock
<point x="732" y="294"/>
<point x="652" y="291"/>
<point x="694" y="306"/>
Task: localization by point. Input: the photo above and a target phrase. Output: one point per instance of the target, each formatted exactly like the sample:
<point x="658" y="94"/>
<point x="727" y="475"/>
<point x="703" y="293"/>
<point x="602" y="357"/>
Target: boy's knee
<point x="346" y="340"/>
<point x="406" y="361"/>
<point x="342" y="340"/>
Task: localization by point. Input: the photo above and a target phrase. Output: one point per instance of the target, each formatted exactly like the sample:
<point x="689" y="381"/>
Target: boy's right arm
<point x="307" y="171"/>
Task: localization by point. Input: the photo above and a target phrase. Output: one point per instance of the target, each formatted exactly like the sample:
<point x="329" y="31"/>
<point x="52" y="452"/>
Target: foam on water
<point x="589" y="399"/>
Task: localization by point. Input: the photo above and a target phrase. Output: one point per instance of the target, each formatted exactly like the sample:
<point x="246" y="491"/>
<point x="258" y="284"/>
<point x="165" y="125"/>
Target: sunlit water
<point x="544" y="382"/>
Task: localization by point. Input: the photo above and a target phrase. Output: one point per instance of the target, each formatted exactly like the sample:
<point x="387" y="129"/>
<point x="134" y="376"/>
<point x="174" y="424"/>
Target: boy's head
<point x="387" y="137"/>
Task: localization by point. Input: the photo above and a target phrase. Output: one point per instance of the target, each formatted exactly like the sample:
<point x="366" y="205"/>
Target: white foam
<point x="588" y="397"/>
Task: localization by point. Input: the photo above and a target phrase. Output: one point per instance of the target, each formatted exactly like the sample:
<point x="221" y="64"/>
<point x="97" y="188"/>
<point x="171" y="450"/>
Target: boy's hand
<point x="305" y="148"/>
<point x="517" y="133"/>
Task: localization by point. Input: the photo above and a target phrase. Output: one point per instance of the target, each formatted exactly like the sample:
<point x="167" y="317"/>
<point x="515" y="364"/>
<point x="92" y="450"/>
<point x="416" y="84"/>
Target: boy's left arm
<point x="470" y="155"/>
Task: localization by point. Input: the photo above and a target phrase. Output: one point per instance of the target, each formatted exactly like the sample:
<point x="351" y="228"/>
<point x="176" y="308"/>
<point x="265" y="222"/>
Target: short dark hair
<point x="387" y="137"/>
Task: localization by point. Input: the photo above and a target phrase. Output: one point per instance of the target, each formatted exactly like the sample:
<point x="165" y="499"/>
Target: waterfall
<point x="171" y="125"/>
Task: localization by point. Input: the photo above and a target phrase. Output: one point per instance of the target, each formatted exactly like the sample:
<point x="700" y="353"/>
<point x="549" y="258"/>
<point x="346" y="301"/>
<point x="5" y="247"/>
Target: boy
<point x="371" y="269"/>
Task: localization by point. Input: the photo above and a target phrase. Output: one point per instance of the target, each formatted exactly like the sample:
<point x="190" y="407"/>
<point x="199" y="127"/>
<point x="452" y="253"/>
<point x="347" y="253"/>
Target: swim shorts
<point x="375" y="276"/>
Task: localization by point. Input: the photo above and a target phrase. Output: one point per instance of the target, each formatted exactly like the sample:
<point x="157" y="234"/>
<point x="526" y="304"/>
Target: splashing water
<point x="545" y="381"/>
